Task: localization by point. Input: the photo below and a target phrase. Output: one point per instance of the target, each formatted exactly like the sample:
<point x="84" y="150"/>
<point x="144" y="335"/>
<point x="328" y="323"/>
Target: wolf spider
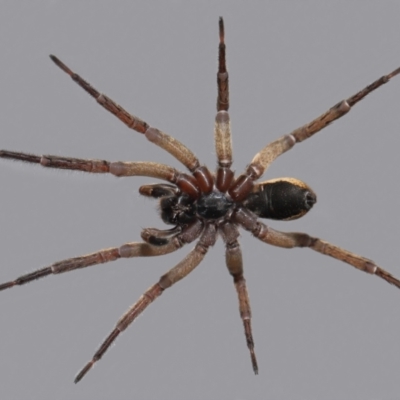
<point x="201" y="205"/>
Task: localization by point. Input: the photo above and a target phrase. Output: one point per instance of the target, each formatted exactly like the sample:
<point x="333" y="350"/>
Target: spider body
<point x="279" y="199"/>
<point x="213" y="205"/>
<point x="202" y="205"/>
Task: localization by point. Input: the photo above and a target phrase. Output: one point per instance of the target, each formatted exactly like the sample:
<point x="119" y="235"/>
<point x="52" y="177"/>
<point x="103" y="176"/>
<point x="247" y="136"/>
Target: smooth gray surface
<point x="322" y="329"/>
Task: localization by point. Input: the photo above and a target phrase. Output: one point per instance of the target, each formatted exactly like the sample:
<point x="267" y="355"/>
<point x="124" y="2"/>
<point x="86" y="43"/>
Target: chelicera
<point x="200" y="205"/>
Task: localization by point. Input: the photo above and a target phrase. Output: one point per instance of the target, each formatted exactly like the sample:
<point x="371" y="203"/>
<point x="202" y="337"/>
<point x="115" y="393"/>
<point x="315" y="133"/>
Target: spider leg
<point x="222" y="75"/>
<point x="185" y="182"/>
<point x="262" y="160"/>
<point x="222" y="128"/>
<point x="234" y="262"/>
<point x="297" y="239"/>
<point x="175" y="274"/>
<point x="166" y="142"/>
<point x="128" y="250"/>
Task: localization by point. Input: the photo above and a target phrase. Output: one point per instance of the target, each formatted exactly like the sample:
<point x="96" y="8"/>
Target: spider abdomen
<point x="281" y="199"/>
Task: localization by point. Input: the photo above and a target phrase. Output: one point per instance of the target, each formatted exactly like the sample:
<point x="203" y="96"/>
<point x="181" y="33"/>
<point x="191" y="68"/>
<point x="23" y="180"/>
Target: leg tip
<point x="60" y="64"/>
<point x="83" y="372"/>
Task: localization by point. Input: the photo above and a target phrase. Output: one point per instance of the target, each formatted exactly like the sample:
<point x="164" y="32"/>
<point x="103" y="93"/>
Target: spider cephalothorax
<point x="200" y="204"/>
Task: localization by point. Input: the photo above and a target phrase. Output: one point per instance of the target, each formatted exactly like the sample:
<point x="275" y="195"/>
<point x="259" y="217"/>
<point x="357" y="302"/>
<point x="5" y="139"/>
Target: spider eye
<point x="281" y="199"/>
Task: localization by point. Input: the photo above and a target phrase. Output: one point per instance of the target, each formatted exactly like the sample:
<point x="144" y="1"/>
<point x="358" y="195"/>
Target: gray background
<point x="322" y="329"/>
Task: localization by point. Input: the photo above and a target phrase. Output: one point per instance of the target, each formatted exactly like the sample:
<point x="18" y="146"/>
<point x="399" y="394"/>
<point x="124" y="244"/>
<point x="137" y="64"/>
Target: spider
<point x="202" y="205"/>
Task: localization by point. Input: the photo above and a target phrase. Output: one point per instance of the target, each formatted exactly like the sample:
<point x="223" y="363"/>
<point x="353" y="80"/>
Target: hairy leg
<point x="166" y="142"/>
<point x="234" y="262"/>
<point x="182" y="269"/>
<point x="268" y="235"/>
<point x="128" y="250"/>
<point x="222" y="129"/>
<point x="185" y="182"/>
<point x="263" y="159"/>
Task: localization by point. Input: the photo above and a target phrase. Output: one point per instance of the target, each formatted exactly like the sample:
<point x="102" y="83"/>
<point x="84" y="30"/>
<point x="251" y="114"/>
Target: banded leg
<point x="222" y="75"/>
<point x="269" y="153"/>
<point x="185" y="182"/>
<point x="182" y="269"/>
<point x="223" y="146"/>
<point x="222" y="129"/>
<point x="166" y="142"/>
<point x="296" y="239"/>
<point x="128" y="250"/>
<point x="234" y="262"/>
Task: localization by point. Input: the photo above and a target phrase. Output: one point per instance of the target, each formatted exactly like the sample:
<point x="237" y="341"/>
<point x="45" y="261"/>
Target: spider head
<point x="177" y="210"/>
<point x="282" y="199"/>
